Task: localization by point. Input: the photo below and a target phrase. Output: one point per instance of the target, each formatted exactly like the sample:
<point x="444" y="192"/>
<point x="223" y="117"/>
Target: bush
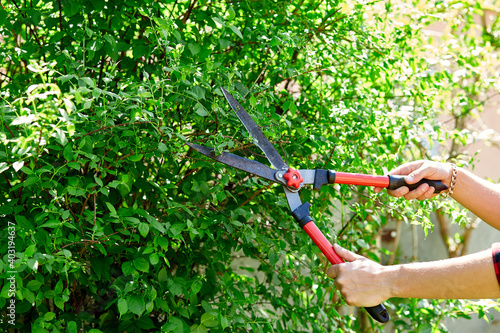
<point x="120" y="227"/>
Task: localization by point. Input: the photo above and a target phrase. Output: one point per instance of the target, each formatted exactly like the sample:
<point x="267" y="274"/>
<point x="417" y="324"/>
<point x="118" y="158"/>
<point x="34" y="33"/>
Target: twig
<point x="256" y="194"/>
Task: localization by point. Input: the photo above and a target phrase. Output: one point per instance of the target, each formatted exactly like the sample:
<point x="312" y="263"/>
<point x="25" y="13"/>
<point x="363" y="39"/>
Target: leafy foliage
<point x="120" y="227"/>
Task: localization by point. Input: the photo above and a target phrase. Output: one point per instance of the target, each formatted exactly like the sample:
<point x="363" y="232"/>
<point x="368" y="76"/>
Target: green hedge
<point x="120" y="227"/>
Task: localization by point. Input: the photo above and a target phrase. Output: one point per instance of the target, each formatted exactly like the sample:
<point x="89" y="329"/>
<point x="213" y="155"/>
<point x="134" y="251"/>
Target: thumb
<point x="345" y="254"/>
<point x="417" y="175"/>
<point x="334" y="270"/>
<point x="426" y="169"/>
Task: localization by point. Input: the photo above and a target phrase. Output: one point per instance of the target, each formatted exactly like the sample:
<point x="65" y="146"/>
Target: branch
<point x="190" y="9"/>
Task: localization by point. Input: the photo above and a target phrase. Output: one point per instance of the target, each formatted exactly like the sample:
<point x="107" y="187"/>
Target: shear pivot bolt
<point x="293" y="178"/>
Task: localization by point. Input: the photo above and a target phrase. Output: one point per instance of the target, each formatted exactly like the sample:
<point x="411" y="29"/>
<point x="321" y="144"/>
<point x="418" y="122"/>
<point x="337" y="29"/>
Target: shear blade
<point x="238" y="162"/>
<point x="259" y="138"/>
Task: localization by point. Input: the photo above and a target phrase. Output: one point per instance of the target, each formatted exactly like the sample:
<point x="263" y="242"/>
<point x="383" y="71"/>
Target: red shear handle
<point x="378" y="312"/>
<point x="391" y="182"/>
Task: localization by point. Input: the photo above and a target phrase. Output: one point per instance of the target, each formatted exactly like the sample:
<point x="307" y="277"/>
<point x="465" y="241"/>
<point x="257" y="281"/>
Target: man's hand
<point x="360" y="280"/>
<point x="416" y="171"/>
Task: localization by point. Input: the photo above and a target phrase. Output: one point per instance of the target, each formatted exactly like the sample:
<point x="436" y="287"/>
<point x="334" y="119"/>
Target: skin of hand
<point x="359" y="279"/>
<point x="478" y="195"/>
<point x="363" y="282"/>
<point x="414" y="172"/>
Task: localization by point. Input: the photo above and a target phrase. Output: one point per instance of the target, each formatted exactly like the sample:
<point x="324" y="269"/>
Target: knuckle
<point x="350" y="301"/>
<point x="409" y="196"/>
<point x="340" y="284"/>
<point x="400" y="192"/>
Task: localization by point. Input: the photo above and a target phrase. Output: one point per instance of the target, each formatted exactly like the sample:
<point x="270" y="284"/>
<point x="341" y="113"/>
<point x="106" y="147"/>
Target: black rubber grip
<point x="379" y="313"/>
<point x="399" y="181"/>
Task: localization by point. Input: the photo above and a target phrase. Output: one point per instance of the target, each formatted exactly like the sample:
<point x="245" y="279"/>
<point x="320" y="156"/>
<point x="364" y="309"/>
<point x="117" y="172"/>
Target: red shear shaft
<point x="323" y="244"/>
<point x="359" y="179"/>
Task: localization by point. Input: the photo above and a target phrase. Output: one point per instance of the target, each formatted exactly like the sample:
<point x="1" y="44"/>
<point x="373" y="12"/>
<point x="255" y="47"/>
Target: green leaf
<point x="141" y="264"/>
<point x="49" y="316"/>
<point x="6" y="209"/>
<point x="196" y="286"/>
<point x="273" y="258"/>
<point x="174" y="324"/>
<point x="3" y="166"/>
<point x="124" y="189"/>
<point x="34" y="285"/>
<point x="199" y="92"/>
<point x="221" y="196"/>
<point x="122" y="306"/>
<point x="23" y="223"/>
<point x="68" y="152"/>
<point x="111" y="209"/>
<point x="136" y="304"/>
<point x="218" y="21"/>
<point x="72" y="327"/>
<point x="145" y="323"/>
<point x="154" y="258"/>
<point x="59" y="287"/>
<point x="30" y="181"/>
<point x="176" y="229"/>
<point x="198" y="329"/>
<point x="136" y="157"/>
<point x="231" y="13"/>
<point x="74" y="165"/>
<point x="210" y="319"/>
<point x="174" y="286"/>
<point x="110" y="39"/>
<point x="200" y="110"/>
<point x="30" y="250"/>
<point x="51" y="224"/>
<point x="139" y="50"/>
<point x="236" y="31"/>
<point x="194" y="48"/>
<point x="162" y="275"/>
<point x="98" y="181"/>
<point x="128" y="268"/>
<point x="27" y="170"/>
<point x="143" y="229"/>
<point x="223" y="322"/>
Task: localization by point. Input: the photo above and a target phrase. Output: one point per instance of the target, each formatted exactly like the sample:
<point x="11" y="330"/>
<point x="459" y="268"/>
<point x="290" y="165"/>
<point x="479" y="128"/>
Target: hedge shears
<point x="293" y="180"/>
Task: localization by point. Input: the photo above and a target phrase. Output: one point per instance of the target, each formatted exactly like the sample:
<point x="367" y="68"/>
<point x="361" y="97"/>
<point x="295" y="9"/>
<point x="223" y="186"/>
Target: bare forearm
<point x="467" y="277"/>
<point x="479" y="196"/>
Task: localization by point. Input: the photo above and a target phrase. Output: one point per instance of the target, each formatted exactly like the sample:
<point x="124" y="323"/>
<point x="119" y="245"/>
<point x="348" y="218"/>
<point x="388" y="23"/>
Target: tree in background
<point x="118" y="226"/>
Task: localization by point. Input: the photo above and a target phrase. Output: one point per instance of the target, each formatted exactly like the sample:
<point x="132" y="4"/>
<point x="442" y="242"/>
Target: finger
<point x="378" y="189"/>
<point x="418" y="192"/>
<point x="428" y="194"/>
<point x="399" y="192"/>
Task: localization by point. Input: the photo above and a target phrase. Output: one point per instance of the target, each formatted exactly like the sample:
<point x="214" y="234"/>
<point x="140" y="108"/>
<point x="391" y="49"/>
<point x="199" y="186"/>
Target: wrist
<point x="394" y="281"/>
<point x="400" y="280"/>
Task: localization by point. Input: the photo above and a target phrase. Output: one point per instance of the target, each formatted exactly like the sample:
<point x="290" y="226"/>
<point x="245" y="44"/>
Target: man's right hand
<point x="414" y="172"/>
